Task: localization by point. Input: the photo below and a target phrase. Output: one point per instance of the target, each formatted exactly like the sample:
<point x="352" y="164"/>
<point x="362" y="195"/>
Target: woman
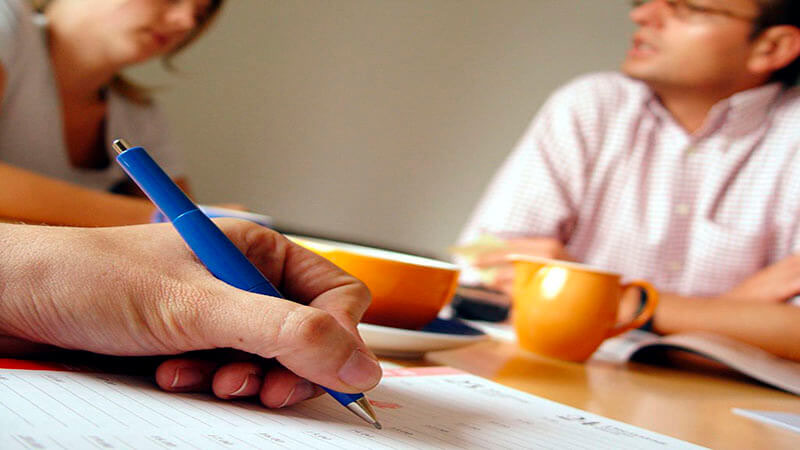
<point x="62" y="99"/>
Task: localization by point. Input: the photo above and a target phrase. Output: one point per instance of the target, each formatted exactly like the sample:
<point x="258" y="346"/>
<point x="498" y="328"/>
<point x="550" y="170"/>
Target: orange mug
<point x="566" y="310"/>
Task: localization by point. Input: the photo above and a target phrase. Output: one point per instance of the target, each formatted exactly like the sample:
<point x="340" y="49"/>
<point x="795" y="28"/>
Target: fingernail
<point x="186" y="378"/>
<point x="250" y="386"/>
<point x="360" y="370"/>
<point x="301" y="391"/>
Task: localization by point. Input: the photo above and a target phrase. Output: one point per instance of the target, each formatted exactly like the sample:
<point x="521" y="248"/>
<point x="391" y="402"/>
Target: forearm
<point x="33" y="198"/>
<point x="772" y="327"/>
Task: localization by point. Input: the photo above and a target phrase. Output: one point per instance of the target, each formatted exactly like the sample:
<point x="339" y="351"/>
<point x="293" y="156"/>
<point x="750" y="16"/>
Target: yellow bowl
<point x="407" y="291"/>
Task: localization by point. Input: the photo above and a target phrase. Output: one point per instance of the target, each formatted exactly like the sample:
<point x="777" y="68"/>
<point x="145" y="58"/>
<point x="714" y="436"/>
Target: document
<point x="430" y="407"/>
<point x="786" y="420"/>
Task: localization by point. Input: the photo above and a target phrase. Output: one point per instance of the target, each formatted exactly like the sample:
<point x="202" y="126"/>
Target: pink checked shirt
<point x="607" y="170"/>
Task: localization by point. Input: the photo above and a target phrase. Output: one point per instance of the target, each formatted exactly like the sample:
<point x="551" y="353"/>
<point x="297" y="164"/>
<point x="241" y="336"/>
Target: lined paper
<point x="425" y="407"/>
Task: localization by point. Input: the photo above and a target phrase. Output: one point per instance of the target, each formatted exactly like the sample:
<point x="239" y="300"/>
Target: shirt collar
<point x="740" y="112"/>
<point x="751" y="106"/>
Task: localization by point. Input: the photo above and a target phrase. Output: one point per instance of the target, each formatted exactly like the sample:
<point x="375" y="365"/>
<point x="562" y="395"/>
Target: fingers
<point x="538" y="247"/>
<point x="185" y="375"/>
<point x="284" y="388"/>
<point x="300" y="274"/>
<point x="494" y="258"/>
<point x="275" y="387"/>
<point x="319" y="349"/>
<point x="237" y="380"/>
<point x="504" y="280"/>
<point x="310" y="342"/>
<point x="346" y="304"/>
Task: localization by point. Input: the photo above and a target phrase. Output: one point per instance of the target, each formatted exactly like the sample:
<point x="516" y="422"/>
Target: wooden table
<point x="693" y="405"/>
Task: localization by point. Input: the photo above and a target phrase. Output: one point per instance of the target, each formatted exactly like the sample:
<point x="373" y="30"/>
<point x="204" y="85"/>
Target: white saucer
<point x="441" y="334"/>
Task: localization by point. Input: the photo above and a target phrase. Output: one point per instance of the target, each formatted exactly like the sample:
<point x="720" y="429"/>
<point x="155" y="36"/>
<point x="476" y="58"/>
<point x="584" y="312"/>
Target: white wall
<point x="377" y="121"/>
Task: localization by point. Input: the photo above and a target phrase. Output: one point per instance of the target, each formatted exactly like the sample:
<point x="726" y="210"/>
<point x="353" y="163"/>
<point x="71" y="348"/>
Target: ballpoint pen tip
<point x="377" y="425"/>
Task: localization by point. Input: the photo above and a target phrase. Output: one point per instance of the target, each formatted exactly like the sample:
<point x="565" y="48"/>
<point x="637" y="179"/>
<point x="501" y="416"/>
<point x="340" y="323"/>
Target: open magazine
<point x="745" y="358"/>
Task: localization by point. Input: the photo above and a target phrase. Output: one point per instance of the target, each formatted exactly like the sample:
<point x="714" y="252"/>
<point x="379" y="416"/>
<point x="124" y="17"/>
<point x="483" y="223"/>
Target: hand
<point x="140" y="291"/>
<point x="503" y="279"/>
<point x="774" y="284"/>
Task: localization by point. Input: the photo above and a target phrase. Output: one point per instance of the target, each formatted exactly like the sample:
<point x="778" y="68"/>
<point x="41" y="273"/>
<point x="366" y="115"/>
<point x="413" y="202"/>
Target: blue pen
<point x="209" y="243"/>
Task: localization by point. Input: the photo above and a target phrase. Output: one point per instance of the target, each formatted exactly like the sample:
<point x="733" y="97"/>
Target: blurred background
<point x="373" y="121"/>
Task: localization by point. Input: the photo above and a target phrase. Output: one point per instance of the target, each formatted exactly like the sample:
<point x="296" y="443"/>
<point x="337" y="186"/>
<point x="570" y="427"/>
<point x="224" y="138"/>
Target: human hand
<point x="498" y="259"/>
<point x="774" y="284"/>
<point x="140" y="291"/>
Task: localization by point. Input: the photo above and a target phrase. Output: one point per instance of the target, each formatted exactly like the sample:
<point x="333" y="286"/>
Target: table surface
<point x="691" y="403"/>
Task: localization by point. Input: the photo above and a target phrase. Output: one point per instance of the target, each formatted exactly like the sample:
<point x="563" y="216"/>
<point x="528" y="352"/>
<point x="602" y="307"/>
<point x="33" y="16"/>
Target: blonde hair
<point x="136" y="92"/>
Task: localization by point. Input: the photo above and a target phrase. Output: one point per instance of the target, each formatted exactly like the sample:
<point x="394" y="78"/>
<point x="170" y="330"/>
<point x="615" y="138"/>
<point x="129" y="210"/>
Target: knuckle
<point x="361" y="299"/>
<point x="311" y="327"/>
<point x="361" y="293"/>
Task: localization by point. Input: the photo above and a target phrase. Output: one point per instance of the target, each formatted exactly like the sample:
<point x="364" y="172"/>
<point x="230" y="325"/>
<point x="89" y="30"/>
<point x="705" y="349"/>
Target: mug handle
<point x="647" y="311"/>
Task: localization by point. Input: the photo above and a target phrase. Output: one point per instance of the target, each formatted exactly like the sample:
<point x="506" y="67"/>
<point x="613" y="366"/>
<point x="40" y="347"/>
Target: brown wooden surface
<point x="690" y="403"/>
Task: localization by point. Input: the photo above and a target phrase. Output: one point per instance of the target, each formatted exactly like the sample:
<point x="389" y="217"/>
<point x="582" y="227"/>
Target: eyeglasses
<point x="692" y="9"/>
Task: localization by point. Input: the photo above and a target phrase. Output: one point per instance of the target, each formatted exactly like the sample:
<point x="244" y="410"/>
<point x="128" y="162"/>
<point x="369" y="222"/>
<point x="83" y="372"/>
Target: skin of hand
<point x="499" y="259"/>
<point x="774" y="284"/>
<point x="139" y="290"/>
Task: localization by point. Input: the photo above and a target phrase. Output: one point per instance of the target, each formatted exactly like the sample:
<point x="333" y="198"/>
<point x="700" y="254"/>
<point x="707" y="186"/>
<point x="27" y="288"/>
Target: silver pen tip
<point x="120" y="145"/>
<point x="363" y="409"/>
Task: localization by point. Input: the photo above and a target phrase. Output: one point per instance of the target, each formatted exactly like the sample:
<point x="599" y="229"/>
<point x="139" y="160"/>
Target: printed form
<point x="430" y="407"/>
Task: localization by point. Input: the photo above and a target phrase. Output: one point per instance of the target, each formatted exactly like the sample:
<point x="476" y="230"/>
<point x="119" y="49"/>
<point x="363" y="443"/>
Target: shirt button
<point x="691" y="149"/>
<point x="682" y="209"/>
<point x="674" y="266"/>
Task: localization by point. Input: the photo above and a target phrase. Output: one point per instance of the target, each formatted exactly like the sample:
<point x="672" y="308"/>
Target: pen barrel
<point x="220" y="256"/>
<point x="155" y="183"/>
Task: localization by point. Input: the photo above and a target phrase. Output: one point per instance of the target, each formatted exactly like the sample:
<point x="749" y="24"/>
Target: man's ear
<point x="775" y="48"/>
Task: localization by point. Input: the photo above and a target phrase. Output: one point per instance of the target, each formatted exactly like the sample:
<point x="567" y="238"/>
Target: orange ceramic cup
<point x="407" y="291"/>
<point x="566" y="310"/>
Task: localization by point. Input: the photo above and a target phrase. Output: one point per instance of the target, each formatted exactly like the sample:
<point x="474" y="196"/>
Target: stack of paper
<point x="419" y="408"/>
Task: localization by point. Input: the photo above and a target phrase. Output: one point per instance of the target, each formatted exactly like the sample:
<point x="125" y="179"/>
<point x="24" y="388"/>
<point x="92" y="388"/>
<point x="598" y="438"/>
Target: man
<point x="136" y="291"/>
<point x="683" y="170"/>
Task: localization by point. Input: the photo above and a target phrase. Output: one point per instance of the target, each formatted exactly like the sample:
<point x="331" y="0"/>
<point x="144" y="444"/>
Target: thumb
<point x="306" y="340"/>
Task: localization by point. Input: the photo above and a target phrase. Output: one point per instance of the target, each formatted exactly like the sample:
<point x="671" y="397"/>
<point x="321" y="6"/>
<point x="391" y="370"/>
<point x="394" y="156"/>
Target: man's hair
<point x="780" y="12"/>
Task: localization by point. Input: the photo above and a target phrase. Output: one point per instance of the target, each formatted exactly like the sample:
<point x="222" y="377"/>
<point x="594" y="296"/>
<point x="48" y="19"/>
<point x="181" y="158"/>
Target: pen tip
<point x="377" y="425"/>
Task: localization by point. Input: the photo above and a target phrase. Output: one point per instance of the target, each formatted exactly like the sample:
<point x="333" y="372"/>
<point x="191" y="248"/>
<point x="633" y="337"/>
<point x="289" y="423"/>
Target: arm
<point x="29" y="197"/>
<point x="772" y="327"/>
<point x="137" y="291"/>
<point x="755" y="311"/>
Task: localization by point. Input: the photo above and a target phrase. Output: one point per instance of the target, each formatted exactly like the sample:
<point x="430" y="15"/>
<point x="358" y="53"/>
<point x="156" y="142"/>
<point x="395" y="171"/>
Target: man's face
<point x="692" y="43"/>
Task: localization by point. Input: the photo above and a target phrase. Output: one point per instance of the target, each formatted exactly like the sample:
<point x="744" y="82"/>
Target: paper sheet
<point x="419" y="408"/>
<point x="782" y="419"/>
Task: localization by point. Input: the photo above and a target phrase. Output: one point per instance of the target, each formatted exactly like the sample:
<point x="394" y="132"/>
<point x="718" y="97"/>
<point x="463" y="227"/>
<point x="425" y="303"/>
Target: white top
<point x="31" y="125"/>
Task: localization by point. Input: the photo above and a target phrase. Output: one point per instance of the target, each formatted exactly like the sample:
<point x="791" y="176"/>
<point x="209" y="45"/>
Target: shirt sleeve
<point x="538" y="188"/>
